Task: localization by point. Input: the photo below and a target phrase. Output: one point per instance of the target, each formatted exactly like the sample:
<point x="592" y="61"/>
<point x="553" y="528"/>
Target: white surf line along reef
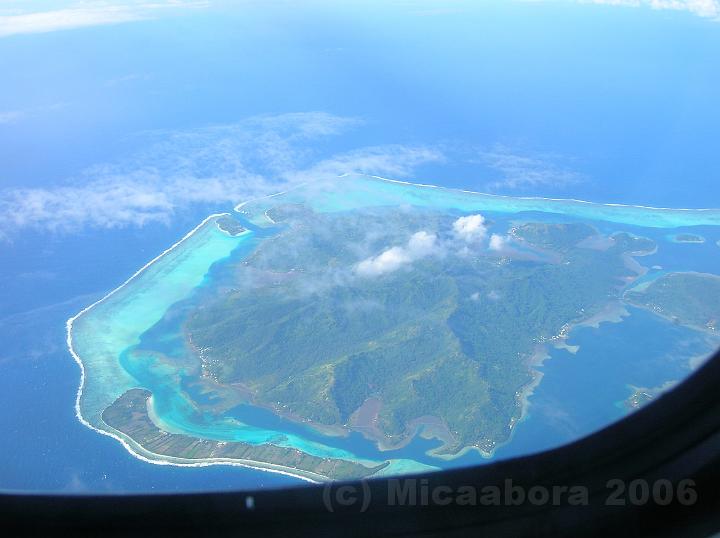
<point x="98" y="335"/>
<point x="353" y="191"/>
<point x="116" y="326"/>
<point x="109" y="380"/>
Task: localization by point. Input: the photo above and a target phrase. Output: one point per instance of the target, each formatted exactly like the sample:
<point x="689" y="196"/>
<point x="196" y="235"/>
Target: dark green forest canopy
<point x="691" y="299"/>
<point x="228" y="224"/>
<point x="450" y="334"/>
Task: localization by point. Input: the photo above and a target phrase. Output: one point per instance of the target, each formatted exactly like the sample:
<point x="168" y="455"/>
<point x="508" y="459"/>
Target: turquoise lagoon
<point x="579" y="393"/>
<point x="357" y="191"/>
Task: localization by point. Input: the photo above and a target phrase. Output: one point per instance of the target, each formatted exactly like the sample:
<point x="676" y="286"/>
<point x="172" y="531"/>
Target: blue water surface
<point x="624" y="98"/>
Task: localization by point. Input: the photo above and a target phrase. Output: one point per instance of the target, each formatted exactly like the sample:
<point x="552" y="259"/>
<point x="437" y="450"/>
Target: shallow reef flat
<point x="129" y="415"/>
<point x="361" y="316"/>
<point x="357" y="191"/>
<point x="99" y="334"/>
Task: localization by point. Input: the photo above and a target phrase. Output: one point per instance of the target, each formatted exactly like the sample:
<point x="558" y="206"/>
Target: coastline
<point x="69" y="323"/>
<point x="147" y="456"/>
<point x="131" y="446"/>
<point x="670" y="319"/>
<point x="536" y="198"/>
<point x="613" y="312"/>
<point x="536" y="359"/>
<point x="667" y="212"/>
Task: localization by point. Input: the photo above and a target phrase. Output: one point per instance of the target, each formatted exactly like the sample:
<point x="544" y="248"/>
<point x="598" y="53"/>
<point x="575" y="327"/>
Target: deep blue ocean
<point x="625" y="98"/>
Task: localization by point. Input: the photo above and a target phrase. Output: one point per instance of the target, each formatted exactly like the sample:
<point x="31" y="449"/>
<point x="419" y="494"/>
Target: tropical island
<point x="367" y="310"/>
<point x="227" y="224"/>
<point x="687" y="238"/>
<point x="642" y="396"/>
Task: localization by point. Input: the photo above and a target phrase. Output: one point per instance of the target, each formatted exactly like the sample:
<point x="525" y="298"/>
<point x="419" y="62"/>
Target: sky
<point x="39" y="16"/>
<point x="121" y="114"/>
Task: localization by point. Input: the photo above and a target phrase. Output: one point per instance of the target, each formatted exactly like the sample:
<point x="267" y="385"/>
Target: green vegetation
<point x="691" y="299"/>
<point x="450" y="335"/>
<point x="228" y="224"/>
<point x="129" y="415"/>
<point x="559" y="237"/>
<point x="633" y="244"/>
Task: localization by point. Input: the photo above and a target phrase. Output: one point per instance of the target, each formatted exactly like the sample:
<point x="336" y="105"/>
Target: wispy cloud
<point x="420" y="245"/>
<point x="126" y="79"/>
<point x="703" y="8"/>
<point x="395" y="160"/>
<point x="522" y="170"/>
<point x="13" y="116"/>
<point x="72" y="15"/>
<point x="217" y="166"/>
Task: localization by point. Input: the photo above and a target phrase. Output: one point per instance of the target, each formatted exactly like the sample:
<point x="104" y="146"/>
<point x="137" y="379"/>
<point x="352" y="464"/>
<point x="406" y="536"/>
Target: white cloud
<point x="13" y="116"/>
<point x="420" y="245"/>
<point x="498" y="242"/>
<point x="82" y="14"/>
<point x="216" y="165"/>
<point x="10" y="116"/>
<point x="392" y="160"/>
<point x="387" y="262"/>
<point x="470" y="228"/>
<point x="527" y="170"/>
<point x="85" y="14"/>
<point x="303" y="124"/>
<point x="703" y="8"/>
